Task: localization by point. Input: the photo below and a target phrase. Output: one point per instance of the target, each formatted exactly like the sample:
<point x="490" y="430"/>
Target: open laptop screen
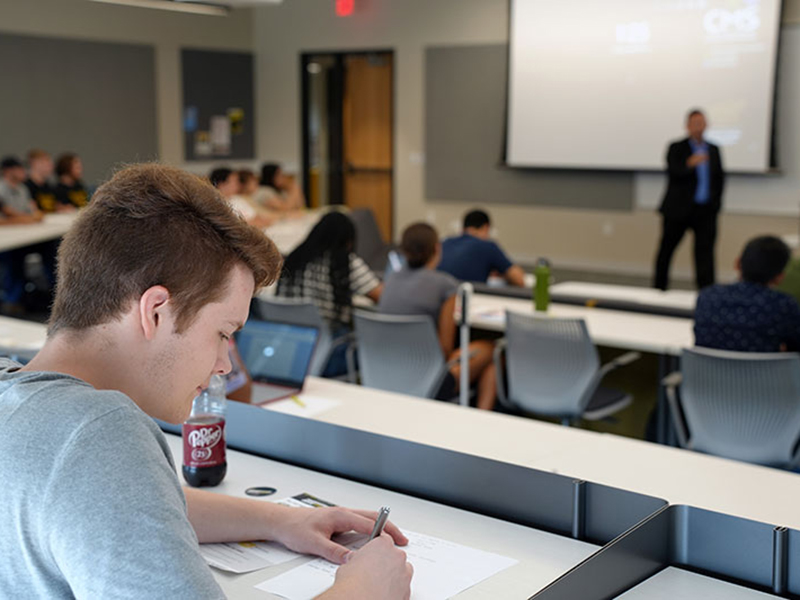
<point x="277" y="353"/>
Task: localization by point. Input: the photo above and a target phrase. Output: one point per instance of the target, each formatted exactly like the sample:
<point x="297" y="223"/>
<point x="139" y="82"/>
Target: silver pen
<point x="383" y="515"/>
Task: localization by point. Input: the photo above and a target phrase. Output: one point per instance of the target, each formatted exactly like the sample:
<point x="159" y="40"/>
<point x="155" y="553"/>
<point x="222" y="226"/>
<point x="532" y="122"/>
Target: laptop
<point x="278" y="356"/>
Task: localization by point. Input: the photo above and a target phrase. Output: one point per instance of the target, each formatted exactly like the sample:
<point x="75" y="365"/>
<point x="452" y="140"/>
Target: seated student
<point x="97" y="511"/>
<point x="17" y="205"/>
<point x="40" y="170"/>
<point x="750" y="316"/>
<point x="472" y="256"/>
<point x="278" y="191"/>
<point x="248" y="184"/>
<point x="227" y="182"/>
<point x="419" y="289"/>
<point x="325" y="270"/>
<point x="17" y="208"/>
<point x="70" y="189"/>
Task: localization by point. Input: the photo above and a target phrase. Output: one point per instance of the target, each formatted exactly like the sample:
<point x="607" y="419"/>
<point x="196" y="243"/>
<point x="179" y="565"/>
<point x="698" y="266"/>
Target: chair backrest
<point x="399" y="353"/>
<point x="552" y="364"/>
<point x="298" y="312"/>
<point x="740" y="405"/>
<point x="370" y="245"/>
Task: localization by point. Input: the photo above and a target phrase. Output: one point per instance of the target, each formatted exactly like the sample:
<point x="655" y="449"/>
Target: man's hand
<point x="696" y="159"/>
<point x="310" y="530"/>
<point x="378" y="570"/>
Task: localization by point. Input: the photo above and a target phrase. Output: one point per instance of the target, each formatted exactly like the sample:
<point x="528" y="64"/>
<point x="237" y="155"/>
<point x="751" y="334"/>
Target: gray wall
<point x="465" y="108"/>
<point x="165" y="32"/>
<point x="94" y="98"/>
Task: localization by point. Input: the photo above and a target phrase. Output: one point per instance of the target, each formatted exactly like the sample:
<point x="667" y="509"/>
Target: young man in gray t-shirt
<point x="154" y="277"/>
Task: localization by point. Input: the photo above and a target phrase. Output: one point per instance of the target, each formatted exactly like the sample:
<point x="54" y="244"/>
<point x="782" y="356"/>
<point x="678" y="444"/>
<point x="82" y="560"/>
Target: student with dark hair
<point x="227" y="182"/>
<point x="750" y="316"/>
<point x="70" y="189"/>
<point x="419" y="289"/>
<point x="248" y="183"/>
<point x="473" y="256"/>
<point x="325" y="270"/>
<point x="278" y="191"/>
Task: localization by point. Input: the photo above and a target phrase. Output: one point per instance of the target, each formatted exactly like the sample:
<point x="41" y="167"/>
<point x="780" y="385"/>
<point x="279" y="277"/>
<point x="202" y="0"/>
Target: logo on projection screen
<point x="722" y="21"/>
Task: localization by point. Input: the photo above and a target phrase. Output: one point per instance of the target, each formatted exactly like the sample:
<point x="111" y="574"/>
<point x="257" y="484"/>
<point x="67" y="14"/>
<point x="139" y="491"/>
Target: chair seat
<point x="605" y="402"/>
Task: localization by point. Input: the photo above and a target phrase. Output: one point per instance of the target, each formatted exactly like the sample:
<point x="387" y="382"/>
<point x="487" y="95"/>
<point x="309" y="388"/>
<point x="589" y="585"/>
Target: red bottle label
<point x="204" y="444"/>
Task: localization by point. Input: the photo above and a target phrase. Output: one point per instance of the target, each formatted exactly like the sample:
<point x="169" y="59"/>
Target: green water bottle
<point x="541" y="290"/>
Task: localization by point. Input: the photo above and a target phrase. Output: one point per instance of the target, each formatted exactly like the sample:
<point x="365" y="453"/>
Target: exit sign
<point x="344" y="8"/>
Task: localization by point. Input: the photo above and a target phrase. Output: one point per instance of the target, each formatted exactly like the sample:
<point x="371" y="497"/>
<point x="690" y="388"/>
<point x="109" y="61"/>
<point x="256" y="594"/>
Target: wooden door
<point x="367" y="139"/>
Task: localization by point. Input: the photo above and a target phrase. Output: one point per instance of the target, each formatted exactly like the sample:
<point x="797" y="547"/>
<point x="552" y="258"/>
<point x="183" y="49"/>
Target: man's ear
<point x="155" y="311"/>
<point x="777" y="280"/>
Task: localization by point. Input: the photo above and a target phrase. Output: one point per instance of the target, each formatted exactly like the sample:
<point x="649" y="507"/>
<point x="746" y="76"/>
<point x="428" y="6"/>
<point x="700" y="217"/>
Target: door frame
<point x="338" y="152"/>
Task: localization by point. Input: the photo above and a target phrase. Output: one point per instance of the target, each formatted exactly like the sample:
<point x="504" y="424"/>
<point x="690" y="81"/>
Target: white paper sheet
<point x="442" y="570"/>
<point x="243" y="557"/>
<point x="312" y="406"/>
<point x="489" y="316"/>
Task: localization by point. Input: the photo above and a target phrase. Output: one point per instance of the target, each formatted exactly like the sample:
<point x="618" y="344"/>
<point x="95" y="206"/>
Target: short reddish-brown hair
<point x="37" y="153"/>
<point x="154" y="225"/>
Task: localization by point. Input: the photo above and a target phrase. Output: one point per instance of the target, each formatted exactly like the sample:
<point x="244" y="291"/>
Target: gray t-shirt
<point x="417" y="292"/>
<point x="91" y="504"/>
<point x="18" y="198"/>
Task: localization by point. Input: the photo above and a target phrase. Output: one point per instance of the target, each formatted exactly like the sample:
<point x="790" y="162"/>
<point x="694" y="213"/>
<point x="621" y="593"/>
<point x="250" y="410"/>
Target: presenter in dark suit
<point x="695" y="180"/>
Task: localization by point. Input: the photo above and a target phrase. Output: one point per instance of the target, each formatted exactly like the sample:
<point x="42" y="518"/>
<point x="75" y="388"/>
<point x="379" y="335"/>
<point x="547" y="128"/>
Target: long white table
<point x="679" y="476"/>
<point x="613" y="328"/>
<point x="52" y="227"/>
<point x="289" y="232"/>
<point x="542" y="556"/>
<point x="19" y="336"/>
<point x="671" y="299"/>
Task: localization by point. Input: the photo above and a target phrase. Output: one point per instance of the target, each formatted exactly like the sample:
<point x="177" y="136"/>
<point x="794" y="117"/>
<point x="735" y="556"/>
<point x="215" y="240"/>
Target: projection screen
<point x="606" y="85"/>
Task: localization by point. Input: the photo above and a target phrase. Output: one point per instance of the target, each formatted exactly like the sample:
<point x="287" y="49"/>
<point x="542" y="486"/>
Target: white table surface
<point x="679" y="476"/>
<point x="291" y="231"/>
<point x="677" y="584"/>
<point x="496" y="436"/>
<point x="613" y="328"/>
<point x="18" y="334"/>
<point x="53" y="226"/>
<point x="682" y="477"/>
<point x="680" y="299"/>
<point x="542" y="556"/>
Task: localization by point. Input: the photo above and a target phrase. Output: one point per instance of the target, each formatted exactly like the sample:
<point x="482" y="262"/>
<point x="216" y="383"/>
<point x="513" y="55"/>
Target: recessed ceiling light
<point x="197" y="8"/>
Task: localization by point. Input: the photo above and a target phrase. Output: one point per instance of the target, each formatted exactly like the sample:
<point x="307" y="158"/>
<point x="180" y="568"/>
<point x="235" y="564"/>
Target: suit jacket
<point x="682" y="181"/>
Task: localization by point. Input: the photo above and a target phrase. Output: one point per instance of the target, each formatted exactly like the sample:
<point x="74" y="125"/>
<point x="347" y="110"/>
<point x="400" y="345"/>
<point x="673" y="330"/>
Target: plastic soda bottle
<point x="204" y="462"/>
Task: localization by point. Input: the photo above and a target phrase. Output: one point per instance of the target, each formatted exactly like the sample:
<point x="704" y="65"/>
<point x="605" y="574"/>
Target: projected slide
<point x="608" y="84"/>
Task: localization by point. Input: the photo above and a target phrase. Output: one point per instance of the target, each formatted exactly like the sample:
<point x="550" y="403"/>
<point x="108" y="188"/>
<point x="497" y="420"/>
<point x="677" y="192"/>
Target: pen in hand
<point x="380" y="522"/>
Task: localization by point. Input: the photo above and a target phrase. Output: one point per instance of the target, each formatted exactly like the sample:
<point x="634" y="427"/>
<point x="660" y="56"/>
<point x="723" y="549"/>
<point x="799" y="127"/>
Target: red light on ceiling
<point x="344" y="8"/>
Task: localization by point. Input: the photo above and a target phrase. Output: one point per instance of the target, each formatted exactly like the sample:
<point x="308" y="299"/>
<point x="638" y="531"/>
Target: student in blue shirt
<point x="472" y="256"/>
<point x="750" y="316"/>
